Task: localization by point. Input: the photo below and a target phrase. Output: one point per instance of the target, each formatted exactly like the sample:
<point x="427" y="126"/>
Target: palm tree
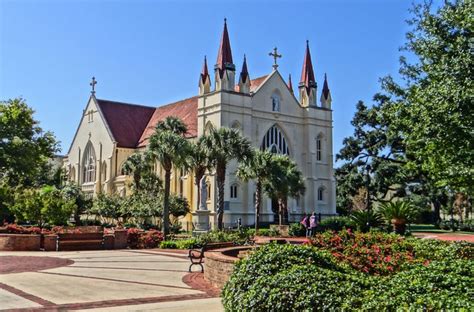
<point x="286" y="180"/>
<point x="199" y="162"/>
<point x="137" y="165"/>
<point x="221" y="146"/>
<point x="171" y="150"/>
<point x="398" y="214"/>
<point x="173" y="124"/>
<point x="258" y="167"/>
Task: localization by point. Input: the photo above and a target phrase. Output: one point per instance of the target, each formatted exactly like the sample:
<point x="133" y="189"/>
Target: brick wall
<point x="20" y="242"/>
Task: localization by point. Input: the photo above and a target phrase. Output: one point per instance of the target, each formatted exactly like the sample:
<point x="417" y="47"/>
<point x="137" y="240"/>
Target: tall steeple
<point x="326" y="94"/>
<point x="290" y="84"/>
<point x="307" y="85"/>
<point x="204" y="79"/>
<point x="225" y="68"/>
<point x="244" y="79"/>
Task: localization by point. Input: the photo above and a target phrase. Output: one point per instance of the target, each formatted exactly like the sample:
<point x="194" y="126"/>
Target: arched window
<point x="319" y="147"/>
<point x="88" y="164"/>
<point x="275" y="142"/>
<point x="234" y="191"/>
<point x="208" y="127"/>
<point x="276" y="101"/>
<point x="321" y="193"/>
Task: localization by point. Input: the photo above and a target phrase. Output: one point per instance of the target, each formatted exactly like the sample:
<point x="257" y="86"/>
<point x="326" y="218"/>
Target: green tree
<point x="42" y="206"/>
<point x="259" y="168"/>
<point x="24" y="148"/>
<point x="199" y="162"/>
<point x="72" y="192"/>
<point x="433" y="106"/>
<point x="221" y="146"/>
<point x="137" y="165"/>
<point x="286" y="180"/>
<point x="171" y="149"/>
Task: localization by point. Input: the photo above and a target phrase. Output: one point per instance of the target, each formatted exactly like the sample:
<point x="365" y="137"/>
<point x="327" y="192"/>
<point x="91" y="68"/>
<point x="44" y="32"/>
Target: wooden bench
<point x="80" y="241"/>
<point x="196" y="255"/>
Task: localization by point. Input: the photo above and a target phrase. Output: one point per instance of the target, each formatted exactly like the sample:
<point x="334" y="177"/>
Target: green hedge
<point x="305" y="278"/>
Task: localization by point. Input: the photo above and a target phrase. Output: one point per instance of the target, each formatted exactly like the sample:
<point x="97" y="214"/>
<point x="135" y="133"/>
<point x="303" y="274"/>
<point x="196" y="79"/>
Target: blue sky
<point x="151" y="52"/>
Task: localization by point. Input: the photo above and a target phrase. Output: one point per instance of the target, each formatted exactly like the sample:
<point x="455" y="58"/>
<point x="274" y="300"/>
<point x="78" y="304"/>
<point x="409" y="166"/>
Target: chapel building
<point x="266" y="110"/>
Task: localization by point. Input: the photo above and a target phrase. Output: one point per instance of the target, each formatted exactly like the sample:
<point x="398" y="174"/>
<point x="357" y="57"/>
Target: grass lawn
<point x="430" y="228"/>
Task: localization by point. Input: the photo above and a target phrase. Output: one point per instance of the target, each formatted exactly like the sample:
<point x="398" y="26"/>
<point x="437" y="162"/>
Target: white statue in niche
<point x="203" y="186"/>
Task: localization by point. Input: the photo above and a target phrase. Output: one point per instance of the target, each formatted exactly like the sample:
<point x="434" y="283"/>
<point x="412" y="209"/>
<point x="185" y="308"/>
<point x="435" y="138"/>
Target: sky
<point x="151" y="52"/>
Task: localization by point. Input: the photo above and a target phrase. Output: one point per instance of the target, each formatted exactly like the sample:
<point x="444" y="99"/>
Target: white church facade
<point x="265" y="110"/>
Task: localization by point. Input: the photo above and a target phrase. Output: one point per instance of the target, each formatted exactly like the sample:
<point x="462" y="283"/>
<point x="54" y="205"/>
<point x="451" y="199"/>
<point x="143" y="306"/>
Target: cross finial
<point x="92" y="84"/>
<point x="275" y="57"/>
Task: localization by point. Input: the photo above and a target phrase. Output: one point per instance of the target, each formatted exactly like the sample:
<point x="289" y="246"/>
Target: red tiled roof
<point x="255" y="83"/>
<point x="186" y="110"/>
<point x="307" y="74"/>
<point x="125" y="121"/>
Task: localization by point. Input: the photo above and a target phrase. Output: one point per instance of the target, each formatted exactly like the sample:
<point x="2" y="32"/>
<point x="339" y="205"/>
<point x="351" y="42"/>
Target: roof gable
<point x="125" y="121"/>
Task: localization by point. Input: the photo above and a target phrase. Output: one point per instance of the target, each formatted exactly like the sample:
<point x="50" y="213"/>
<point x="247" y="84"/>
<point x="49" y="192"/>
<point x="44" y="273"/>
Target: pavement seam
<point x="131" y="269"/>
<point x="25" y="295"/>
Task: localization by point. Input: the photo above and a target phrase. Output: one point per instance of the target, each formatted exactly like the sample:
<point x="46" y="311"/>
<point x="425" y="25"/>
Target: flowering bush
<point x="307" y="278"/>
<point x="133" y="237"/>
<point x="18" y="229"/>
<point x="150" y="239"/>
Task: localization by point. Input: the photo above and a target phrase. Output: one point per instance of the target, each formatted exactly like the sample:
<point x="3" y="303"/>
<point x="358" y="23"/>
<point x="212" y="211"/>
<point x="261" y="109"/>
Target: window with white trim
<point x="321" y="194"/>
<point x="234" y="188"/>
<point x="89" y="165"/>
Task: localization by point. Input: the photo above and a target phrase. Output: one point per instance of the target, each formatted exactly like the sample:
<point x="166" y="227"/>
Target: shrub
<point x="186" y="243"/>
<point x="150" y="239"/>
<point x="133" y="237"/>
<point x="361" y="218"/>
<point x="306" y="278"/>
<point x="169" y="244"/>
<point x="336" y="224"/>
<point x="297" y="229"/>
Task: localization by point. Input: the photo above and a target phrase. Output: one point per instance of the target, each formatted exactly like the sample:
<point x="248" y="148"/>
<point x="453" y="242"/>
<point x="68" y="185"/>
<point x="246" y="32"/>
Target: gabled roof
<point x="255" y="83"/>
<point x="125" y="121"/>
<point x="186" y="110"/>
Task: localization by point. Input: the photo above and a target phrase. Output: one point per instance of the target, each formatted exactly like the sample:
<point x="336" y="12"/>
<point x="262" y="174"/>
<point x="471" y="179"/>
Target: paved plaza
<point x="124" y="280"/>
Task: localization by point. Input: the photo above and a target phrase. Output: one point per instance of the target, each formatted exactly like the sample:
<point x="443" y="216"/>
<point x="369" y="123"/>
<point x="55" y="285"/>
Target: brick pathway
<point x="121" y="280"/>
<point x="446" y="236"/>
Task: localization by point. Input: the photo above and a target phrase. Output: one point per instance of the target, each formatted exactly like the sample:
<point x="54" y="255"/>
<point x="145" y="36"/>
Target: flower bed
<point x="354" y="271"/>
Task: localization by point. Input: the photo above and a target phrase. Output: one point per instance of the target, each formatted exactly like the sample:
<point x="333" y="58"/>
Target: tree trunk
<point x="220" y="175"/>
<point x="436" y="210"/>
<point x="166" y="205"/>
<point x="258" y="200"/>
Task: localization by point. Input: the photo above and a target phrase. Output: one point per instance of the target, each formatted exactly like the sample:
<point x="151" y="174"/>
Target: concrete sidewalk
<point x="116" y="280"/>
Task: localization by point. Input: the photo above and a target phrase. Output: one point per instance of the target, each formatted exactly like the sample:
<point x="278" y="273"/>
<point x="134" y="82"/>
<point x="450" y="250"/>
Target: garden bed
<point x="20" y="242"/>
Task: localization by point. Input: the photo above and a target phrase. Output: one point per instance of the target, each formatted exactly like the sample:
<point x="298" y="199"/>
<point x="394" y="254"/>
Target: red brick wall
<point x="20" y="242"/>
<point x="218" y="267"/>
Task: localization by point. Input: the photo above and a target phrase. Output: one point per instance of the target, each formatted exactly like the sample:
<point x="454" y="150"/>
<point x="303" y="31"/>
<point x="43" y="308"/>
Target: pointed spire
<point x="307" y="74"/>
<point x="290" y="84"/>
<point x="244" y="74"/>
<point x="224" y="55"/>
<point x="205" y="71"/>
<point x="325" y="91"/>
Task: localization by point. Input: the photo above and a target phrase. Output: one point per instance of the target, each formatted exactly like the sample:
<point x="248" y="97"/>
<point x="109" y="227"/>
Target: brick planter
<point x="50" y="242"/>
<point x="109" y="241"/>
<point x="219" y="264"/>
<point x="120" y="241"/>
<point x="20" y="242"/>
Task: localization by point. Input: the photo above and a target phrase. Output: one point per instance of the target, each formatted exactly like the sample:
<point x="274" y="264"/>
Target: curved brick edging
<point x="18" y="264"/>
<point x="20" y="242"/>
<point x="219" y="264"/>
<point x="196" y="281"/>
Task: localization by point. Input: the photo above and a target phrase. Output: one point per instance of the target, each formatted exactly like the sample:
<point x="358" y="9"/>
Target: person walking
<point x="306" y="225"/>
<point x="312" y="224"/>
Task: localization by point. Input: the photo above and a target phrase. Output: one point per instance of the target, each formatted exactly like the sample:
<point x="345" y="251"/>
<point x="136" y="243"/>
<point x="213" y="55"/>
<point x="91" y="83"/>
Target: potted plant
<point x="398" y="214"/>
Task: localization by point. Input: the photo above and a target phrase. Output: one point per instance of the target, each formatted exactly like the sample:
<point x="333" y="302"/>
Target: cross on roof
<point x="275" y="57"/>
<point x="92" y="84"/>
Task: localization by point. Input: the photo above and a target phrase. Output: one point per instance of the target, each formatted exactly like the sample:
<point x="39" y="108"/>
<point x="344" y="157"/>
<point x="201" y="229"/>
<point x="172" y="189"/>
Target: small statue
<point x="203" y="186"/>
